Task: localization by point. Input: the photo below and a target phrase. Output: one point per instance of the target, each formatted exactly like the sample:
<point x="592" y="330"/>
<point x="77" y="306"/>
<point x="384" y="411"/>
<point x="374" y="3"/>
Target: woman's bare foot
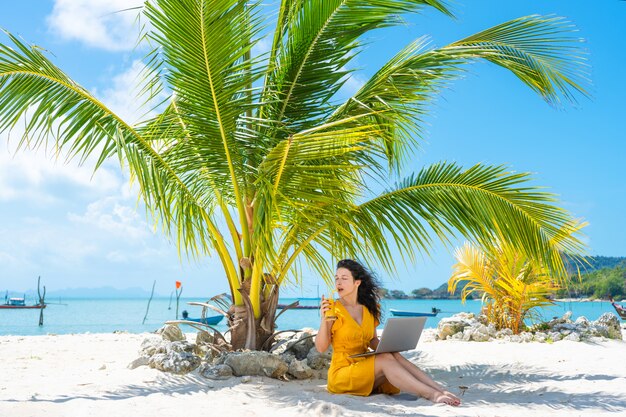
<point x="440" y="397"/>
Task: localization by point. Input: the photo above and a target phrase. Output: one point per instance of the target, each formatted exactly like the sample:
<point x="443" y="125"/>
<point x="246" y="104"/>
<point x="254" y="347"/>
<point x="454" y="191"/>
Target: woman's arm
<point x="323" y="338"/>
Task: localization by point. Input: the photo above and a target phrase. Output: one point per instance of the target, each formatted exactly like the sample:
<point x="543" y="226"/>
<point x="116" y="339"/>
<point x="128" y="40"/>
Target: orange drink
<point x="330" y="314"/>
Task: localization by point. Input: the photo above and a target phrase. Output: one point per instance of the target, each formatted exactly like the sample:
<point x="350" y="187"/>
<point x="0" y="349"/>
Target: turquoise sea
<point x="81" y="315"/>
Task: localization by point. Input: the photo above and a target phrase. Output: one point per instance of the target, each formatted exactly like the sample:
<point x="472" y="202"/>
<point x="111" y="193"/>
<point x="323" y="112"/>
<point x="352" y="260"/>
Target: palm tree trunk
<point x="248" y="331"/>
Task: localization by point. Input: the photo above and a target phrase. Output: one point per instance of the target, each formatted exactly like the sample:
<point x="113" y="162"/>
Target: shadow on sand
<point x="488" y="385"/>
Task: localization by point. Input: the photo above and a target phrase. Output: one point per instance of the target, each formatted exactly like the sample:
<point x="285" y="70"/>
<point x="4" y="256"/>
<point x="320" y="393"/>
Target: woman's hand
<point x="323" y="337"/>
<point x="325" y="306"/>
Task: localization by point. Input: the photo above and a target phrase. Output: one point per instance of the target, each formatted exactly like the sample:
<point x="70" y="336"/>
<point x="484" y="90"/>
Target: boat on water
<point x="621" y="310"/>
<point x="211" y="320"/>
<point x="18" y="303"/>
<point x="402" y="313"/>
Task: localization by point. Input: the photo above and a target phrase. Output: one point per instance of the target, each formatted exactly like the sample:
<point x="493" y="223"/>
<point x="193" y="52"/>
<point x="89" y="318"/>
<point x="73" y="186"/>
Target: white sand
<point x="87" y="375"/>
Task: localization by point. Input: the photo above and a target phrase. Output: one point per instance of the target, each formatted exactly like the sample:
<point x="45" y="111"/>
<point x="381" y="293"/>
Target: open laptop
<point x="399" y="334"/>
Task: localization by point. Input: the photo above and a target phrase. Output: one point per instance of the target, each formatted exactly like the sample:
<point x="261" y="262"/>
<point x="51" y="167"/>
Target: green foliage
<point x="589" y="264"/>
<point x="602" y="262"/>
<point x="442" y="291"/>
<point x="540" y="327"/>
<point x="398" y="295"/>
<point x="512" y="285"/>
<point x="600" y="283"/>
<point x="439" y="293"/>
<point x="422" y="292"/>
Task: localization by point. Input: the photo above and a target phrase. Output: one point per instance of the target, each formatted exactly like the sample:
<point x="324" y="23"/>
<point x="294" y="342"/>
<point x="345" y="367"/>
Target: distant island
<point x="101" y="292"/>
<point x="604" y="276"/>
<point x="439" y="293"/>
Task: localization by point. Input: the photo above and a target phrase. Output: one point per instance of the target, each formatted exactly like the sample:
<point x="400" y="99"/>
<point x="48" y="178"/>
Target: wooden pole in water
<point x="178" y="293"/>
<point x="169" y="306"/>
<point x="41" y="300"/>
<point x="148" y="308"/>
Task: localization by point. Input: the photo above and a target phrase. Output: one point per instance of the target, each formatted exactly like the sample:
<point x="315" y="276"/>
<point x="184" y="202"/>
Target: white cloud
<point x="35" y="245"/>
<point x="69" y="250"/>
<point x="6" y="258"/>
<point x="146" y="255"/>
<point x="109" y="215"/>
<point x="117" y="257"/>
<point x="122" y="98"/>
<point x="25" y="174"/>
<point x="105" y="24"/>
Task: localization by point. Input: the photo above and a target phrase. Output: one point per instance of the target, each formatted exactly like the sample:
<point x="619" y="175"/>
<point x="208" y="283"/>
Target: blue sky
<point x="75" y="230"/>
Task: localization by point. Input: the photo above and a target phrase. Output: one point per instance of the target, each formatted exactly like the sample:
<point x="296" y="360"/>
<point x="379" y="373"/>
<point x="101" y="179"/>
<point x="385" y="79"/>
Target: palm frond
<point x="538" y="50"/>
<point x="204" y="47"/>
<point x="481" y="203"/>
<point x="305" y="177"/>
<point x="474" y="271"/>
<point x="511" y="284"/>
<point x="311" y="65"/>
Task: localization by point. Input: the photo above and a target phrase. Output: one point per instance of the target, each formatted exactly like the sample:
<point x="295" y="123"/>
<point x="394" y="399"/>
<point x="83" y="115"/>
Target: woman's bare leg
<point x="421" y="375"/>
<point x="387" y="366"/>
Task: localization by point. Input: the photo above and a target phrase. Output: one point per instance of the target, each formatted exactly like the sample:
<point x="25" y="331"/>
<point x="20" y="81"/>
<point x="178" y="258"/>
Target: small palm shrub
<point x="511" y="285"/>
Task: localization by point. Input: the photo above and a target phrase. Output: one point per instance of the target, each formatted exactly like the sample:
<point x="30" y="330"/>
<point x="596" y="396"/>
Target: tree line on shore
<point x="609" y="280"/>
<point x="423" y="293"/>
<point x="604" y="276"/>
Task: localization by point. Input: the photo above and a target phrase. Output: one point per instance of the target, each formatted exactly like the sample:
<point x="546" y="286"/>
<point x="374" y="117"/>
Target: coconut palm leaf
<point x="203" y="46"/>
<point x="479" y="203"/>
<point x="538" y="50"/>
<point x="321" y="38"/>
<point x="512" y="285"/>
<point x="473" y="269"/>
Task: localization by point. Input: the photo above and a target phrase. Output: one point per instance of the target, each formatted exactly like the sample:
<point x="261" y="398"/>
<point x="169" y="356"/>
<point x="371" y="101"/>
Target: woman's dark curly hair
<point x="368" y="293"/>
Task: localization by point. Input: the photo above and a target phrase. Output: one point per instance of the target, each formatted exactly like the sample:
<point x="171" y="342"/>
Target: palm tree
<point x="255" y="159"/>
<point x="511" y="285"/>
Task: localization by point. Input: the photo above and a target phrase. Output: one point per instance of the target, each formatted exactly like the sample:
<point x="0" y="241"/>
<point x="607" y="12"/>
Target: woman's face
<point x="345" y="282"/>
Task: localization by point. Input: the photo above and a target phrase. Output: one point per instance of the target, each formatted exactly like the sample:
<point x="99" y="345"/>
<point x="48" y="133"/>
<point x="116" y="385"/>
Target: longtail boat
<point x="212" y="320"/>
<point x="19" y="303"/>
<point x="621" y="310"/>
<point x="400" y="313"/>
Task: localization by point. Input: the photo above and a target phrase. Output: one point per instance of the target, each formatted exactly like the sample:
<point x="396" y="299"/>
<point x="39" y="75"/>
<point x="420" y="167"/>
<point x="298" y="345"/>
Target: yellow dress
<point x="353" y="375"/>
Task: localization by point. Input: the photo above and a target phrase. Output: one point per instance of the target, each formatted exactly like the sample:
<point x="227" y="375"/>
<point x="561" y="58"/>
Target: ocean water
<point x="107" y="315"/>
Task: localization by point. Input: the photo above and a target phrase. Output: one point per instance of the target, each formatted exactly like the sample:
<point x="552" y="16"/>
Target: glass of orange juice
<point x="330" y="314"/>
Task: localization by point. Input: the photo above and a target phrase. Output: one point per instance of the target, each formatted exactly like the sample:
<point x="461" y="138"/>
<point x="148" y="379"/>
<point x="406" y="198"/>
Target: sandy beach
<point x="87" y="375"/>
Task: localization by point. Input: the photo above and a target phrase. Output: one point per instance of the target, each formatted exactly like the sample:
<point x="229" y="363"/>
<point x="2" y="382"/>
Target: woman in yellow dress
<point x="352" y="329"/>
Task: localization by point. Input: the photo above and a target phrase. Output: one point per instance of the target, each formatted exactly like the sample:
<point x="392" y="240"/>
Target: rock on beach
<point x="468" y="327"/>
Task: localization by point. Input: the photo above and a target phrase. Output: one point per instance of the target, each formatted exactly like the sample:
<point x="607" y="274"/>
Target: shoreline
<point x="87" y="374"/>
